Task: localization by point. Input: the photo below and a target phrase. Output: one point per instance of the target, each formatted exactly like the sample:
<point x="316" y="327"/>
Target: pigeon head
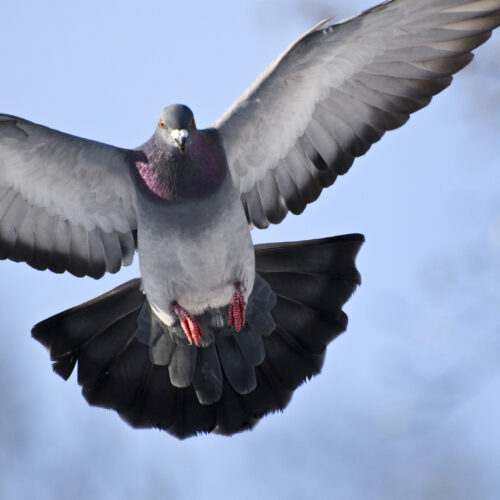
<point x="174" y="126"/>
<point x="181" y="161"/>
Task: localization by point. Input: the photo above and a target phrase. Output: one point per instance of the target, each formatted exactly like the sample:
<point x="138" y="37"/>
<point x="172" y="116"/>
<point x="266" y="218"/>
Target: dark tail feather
<point x="153" y="380"/>
<point x="65" y="334"/>
<point x="312" y="280"/>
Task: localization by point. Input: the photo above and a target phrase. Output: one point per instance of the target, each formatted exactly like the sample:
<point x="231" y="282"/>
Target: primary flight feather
<point x="216" y="333"/>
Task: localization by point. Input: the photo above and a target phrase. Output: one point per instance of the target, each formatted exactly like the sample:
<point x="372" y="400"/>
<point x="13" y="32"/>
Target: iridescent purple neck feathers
<point x="176" y="175"/>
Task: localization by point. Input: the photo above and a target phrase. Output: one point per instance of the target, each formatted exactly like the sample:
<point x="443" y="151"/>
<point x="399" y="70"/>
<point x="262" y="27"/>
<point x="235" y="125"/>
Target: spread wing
<point x="335" y="92"/>
<point x="66" y="203"/>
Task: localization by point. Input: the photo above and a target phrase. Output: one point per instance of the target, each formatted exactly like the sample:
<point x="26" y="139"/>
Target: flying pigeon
<point x="218" y="332"/>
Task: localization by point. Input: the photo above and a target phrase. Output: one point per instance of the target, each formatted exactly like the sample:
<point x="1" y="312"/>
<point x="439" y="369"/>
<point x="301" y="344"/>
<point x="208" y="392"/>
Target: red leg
<point x="237" y="308"/>
<point x="190" y="325"/>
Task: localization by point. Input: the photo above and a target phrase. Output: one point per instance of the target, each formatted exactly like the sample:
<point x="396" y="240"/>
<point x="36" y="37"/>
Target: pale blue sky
<point x="407" y="404"/>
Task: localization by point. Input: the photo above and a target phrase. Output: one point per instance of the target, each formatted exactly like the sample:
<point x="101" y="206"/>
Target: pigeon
<point x="218" y="332"/>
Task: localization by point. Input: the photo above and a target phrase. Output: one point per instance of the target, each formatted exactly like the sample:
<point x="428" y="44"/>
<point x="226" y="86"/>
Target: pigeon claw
<point x="189" y="325"/>
<point x="237" y="308"/>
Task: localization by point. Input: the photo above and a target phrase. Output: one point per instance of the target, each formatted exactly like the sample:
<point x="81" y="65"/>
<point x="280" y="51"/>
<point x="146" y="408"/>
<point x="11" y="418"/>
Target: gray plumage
<point x="175" y="349"/>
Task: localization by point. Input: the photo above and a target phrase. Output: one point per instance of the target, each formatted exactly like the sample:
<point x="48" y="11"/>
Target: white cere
<point x="179" y="134"/>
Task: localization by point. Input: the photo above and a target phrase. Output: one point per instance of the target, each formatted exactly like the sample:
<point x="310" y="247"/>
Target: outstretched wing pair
<point x="67" y="204"/>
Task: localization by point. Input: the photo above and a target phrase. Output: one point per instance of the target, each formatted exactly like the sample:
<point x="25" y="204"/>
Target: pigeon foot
<point x="190" y="325"/>
<point x="237" y="308"/>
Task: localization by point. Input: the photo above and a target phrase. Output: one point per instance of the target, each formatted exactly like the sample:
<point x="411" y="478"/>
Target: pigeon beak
<point x="180" y="137"/>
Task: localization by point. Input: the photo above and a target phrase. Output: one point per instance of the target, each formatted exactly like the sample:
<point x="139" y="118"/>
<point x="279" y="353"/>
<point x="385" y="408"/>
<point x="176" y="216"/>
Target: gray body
<point x="205" y="249"/>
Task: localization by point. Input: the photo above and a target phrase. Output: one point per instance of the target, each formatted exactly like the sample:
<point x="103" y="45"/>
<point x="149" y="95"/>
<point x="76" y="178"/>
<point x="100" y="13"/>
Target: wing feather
<point x="45" y="233"/>
<point x="62" y="243"/>
<point x="79" y="251"/>
<point x="25" y="241"/>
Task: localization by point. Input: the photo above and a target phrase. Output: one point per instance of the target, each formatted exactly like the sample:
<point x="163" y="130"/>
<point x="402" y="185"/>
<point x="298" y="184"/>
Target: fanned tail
<point x="128" y="360"/>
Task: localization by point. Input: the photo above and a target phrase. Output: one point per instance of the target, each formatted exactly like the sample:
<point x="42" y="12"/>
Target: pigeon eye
<point x="162" y="124"/>
<point x="192" y="123"/>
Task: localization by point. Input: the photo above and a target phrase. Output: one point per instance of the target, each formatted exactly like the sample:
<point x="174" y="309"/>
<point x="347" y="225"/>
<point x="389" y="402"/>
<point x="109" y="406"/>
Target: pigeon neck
<point x="175" y="176"/>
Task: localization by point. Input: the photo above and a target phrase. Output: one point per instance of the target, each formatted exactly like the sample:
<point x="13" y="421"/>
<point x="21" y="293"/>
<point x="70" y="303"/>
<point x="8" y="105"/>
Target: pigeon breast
<point x="194" y="243"/>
